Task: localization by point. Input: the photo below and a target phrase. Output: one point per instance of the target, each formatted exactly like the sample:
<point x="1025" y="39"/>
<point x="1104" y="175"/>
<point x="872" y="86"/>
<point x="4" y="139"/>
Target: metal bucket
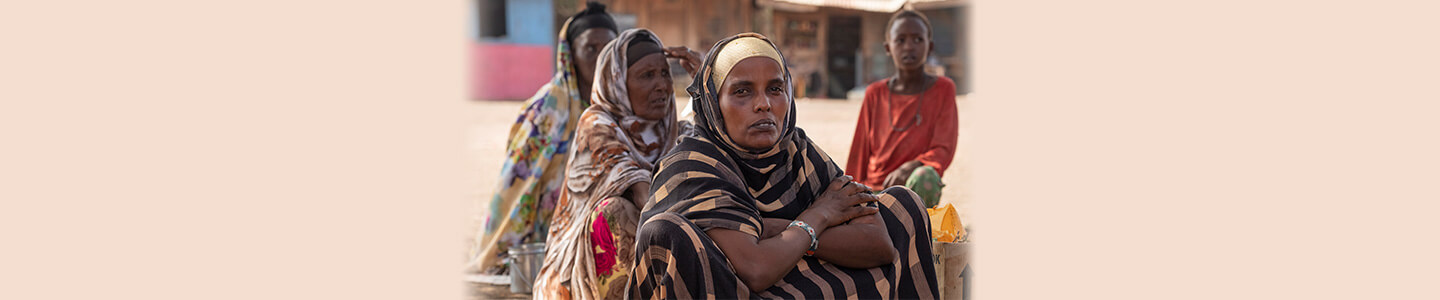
<point x="525" y="262"/>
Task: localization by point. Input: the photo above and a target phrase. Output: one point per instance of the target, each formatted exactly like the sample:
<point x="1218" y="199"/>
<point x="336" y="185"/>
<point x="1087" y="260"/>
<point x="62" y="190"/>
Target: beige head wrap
<point x="738" y="50"/>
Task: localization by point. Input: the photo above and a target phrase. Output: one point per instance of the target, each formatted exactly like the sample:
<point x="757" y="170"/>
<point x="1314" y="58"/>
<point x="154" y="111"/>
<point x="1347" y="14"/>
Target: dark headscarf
<point x="594" y="16"/>
<point x="717" y="184"/>
<point x="640" y="47"/>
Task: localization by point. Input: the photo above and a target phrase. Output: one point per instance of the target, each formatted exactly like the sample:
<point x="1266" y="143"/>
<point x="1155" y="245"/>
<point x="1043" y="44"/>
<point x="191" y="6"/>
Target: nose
<point x="666" y="85"/>
<point x="763" y="104"/>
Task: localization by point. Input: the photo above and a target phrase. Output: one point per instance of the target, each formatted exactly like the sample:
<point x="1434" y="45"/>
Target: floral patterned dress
<point x="534" y="169"/>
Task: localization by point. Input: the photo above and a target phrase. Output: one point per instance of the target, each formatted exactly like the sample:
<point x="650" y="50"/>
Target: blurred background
<point x="834" y="48"/>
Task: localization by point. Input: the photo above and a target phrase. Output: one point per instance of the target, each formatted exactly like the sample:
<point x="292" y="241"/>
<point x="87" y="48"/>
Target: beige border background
<point x="1123" y="149"/>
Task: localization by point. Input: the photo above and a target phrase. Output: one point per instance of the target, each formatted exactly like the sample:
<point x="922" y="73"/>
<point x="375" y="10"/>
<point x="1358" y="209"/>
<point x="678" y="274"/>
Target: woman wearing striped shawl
<point x="748" y="207"/>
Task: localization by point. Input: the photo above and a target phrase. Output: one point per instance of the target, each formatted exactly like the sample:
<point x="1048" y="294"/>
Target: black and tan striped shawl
<point x="712" y="183"/>
<point x="716" y="183"/>
<point x="709" y="186"/>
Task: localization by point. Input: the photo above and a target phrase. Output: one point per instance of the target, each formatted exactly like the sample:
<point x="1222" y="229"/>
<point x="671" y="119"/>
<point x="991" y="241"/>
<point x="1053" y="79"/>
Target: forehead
<point x="908" y="25"/>
<point x="651" y="61"/>
<point x="755" y="69"/>
<point x="595" y="35"/>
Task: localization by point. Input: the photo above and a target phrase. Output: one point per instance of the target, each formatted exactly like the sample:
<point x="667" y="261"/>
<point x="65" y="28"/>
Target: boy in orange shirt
<point x="908" y="124"/>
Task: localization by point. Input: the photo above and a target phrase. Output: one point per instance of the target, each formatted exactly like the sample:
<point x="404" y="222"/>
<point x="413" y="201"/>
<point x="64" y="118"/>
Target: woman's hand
<point x="901" y="174"/>
<point x="639" y="194"/>
<point x="689" y="59"/>
<point x="841" y="202"/>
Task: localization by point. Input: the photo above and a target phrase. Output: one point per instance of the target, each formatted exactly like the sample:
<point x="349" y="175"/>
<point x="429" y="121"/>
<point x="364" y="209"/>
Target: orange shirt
<point x="878" y="148"/>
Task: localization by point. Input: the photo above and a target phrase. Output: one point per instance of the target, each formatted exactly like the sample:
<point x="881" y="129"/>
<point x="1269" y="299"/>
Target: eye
<point x="776" y="90"/>
<point x="742" y="92"/>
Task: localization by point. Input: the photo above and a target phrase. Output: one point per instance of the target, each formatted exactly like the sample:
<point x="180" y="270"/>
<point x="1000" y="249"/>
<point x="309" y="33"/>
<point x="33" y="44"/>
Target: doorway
<point x="842" y="41"/>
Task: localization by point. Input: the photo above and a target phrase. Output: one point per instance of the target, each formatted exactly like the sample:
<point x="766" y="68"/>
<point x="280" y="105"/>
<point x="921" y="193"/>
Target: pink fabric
<point x="604" y="243"/>
<point x="509" y="71"/>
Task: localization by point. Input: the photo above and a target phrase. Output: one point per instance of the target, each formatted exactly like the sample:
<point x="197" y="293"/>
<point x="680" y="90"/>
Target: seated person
<point x="535" y="153"/>
<point x="907" y="128"/>
<point x="630" y="123"/>
<point x="749" y="207"/>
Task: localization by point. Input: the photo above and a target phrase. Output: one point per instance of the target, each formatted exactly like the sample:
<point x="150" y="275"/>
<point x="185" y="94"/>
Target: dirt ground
<point x="829" y="122"/>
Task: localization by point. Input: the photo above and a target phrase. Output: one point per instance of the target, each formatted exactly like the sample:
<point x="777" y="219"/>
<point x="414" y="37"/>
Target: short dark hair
<point x="909" y="13"/>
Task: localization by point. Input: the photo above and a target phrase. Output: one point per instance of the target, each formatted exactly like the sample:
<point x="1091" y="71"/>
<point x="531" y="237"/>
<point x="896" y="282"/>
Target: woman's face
<point x="754" y="103"/>
<point x="587" y="51"/>
<point x="649" y="85"/>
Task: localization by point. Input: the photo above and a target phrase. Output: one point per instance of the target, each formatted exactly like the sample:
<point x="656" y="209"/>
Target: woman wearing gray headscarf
<point x="630" y="124"/>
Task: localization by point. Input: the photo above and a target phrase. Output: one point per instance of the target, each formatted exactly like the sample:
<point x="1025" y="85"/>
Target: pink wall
<point x="509" y="71"/>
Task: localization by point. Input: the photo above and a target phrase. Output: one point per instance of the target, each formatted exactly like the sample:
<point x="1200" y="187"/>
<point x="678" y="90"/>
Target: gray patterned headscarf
<point x="611" y="95"/>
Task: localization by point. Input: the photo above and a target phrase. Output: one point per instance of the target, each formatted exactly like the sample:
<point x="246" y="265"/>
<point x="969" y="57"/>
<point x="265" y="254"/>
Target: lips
<point x="658" y="102"/>
<point x="764" y="124"/>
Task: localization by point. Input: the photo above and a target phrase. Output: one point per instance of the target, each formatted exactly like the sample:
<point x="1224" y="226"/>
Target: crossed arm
<point x="863" y="243"/>
<point x="761" y="262"/>
<point x="849" y="231"/>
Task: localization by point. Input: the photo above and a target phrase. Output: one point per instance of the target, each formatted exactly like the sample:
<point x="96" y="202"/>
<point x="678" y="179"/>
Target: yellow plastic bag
<point x="945" y="224"/>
